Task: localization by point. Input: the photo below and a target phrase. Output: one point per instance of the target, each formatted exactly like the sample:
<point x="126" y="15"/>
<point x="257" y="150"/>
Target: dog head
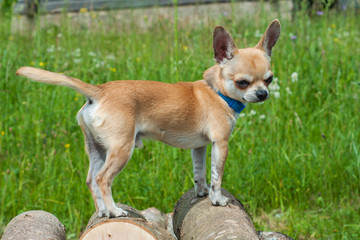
<point x="243" y="74"/>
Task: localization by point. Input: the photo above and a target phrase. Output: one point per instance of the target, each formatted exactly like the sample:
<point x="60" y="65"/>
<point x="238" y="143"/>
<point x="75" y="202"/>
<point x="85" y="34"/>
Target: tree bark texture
<point x="155" y="216"/>
<point x="273" y="236"/>
<point x="34" y="225"/>
<point x="195" y="218"/>
<point x="132" y="227"/>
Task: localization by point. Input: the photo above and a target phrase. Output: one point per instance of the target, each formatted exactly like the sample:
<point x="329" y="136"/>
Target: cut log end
<point x="132" y="227"/>
<point x="114" y="228"/>
<point x="34" y="224"/>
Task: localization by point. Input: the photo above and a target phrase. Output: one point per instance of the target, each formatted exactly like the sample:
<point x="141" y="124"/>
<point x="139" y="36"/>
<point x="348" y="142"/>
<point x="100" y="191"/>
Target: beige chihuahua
<point x="190" y="115"/>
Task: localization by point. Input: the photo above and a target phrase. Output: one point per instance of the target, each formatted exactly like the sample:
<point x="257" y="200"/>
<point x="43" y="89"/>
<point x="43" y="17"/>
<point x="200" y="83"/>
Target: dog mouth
<point x="258" y="96"/>
<point x="253" y="100"/>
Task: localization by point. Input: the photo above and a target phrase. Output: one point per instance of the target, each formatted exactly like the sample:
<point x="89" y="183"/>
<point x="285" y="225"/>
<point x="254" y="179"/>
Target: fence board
<point x="76" y="5"/>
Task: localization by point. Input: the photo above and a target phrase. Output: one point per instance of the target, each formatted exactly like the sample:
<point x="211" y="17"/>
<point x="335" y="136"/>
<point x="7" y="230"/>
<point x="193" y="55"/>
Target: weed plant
<point x="294" y="161"/>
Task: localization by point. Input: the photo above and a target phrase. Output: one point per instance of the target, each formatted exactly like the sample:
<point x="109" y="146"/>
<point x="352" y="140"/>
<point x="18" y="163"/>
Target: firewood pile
<point x="192" y="218"/>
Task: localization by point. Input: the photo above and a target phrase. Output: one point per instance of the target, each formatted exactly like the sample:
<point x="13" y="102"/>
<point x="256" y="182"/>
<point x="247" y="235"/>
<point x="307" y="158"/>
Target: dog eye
<point x="242" y="83"/>
<point x="269" y="80"/>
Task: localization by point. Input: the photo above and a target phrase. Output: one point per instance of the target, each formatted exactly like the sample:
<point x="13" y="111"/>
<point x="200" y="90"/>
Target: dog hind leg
<point x="97" y="156"/>
<point x="116" y="159"/>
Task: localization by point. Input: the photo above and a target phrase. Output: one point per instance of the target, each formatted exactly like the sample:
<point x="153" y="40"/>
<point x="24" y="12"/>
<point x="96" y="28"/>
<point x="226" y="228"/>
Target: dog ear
<point x="223" y="45"/>
<point x="271" y="35"/>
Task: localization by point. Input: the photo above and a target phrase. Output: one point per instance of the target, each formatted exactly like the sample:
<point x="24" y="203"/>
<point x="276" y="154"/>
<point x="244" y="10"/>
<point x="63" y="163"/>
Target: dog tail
<point x="88" y="90"/>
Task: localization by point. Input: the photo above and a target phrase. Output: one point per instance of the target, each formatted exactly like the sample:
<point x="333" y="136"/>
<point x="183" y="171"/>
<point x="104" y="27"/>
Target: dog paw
<point x="113" y="213"/>
<point x="221" y="201"/>
<point x="117" y="212"/>
<point x="218" y="200"/>
<point x="201" y="192"/>
<point x="102" y="212"/>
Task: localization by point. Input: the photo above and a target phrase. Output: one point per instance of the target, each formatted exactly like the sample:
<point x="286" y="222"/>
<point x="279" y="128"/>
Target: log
<point x="132" y="227"/>
<point x="155" y="216"/>
<point x="195" y="218"/>
<point x="273" y="236"/>
<point x="169" y="226"/>
<point x="37" y="224"/>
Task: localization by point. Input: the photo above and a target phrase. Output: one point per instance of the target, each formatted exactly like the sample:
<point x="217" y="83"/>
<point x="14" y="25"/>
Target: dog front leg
<point x="199" y="166"/>
<point x="219" y="153"/>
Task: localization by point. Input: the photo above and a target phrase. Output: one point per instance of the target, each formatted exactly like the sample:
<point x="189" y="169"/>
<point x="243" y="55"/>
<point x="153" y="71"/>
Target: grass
<point x="294" y="161"/>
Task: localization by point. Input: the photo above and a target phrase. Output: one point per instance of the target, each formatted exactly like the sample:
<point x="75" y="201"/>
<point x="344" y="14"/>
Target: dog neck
<point x="236" y="105"/>
<point x="210" y="76"/>
<point x="213" y="77"/>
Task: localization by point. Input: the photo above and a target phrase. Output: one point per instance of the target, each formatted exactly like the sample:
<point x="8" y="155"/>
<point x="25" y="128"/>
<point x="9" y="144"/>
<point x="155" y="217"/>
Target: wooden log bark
<point x="273" y="236"/>
<point x="195" y="218"/>
<point x="39" y="225"/>
<point x="133" y="227"/>
<point x="155" y="216"/>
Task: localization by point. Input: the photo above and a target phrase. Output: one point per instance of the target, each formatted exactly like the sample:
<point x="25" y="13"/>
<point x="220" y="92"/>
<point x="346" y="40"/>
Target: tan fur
<point x="186" y="115"/>
<point x="58" y="79"/>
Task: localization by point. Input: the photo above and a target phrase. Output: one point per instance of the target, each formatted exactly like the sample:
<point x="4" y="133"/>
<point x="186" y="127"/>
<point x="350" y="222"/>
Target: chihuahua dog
<point x="189" y="115"/>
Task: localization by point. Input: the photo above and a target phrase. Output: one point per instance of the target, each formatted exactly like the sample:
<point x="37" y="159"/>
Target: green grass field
<point x="294" y="161"/>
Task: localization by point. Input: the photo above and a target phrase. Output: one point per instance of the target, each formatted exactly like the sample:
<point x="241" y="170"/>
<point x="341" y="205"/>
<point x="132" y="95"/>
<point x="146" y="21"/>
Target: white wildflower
<point x="288" y="91"/>
<point x="346" y="34"/>
<point x="110" y="57"/>
<point x="274" y="87"/>
<point x="294" y="77"/>
<point x="100" y="64"/>
<point x="51" y="49"/>
<point x="258" y="34"/>
<point x="252" y="112"/>
<point x="77" y="52"/>
<point x="262" y="117"/>
<point x="242" y="115"/>
<point x="92" y="54"/>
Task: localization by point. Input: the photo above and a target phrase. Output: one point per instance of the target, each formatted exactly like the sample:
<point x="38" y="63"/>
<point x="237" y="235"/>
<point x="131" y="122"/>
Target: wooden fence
<point x="30" y="7"/>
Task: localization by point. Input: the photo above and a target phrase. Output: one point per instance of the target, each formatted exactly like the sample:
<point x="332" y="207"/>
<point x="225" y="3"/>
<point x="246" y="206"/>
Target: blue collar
<point x="234" y="104"/>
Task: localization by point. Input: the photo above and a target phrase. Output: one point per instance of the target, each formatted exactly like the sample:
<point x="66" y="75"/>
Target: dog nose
<point x="261" y="94"/>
